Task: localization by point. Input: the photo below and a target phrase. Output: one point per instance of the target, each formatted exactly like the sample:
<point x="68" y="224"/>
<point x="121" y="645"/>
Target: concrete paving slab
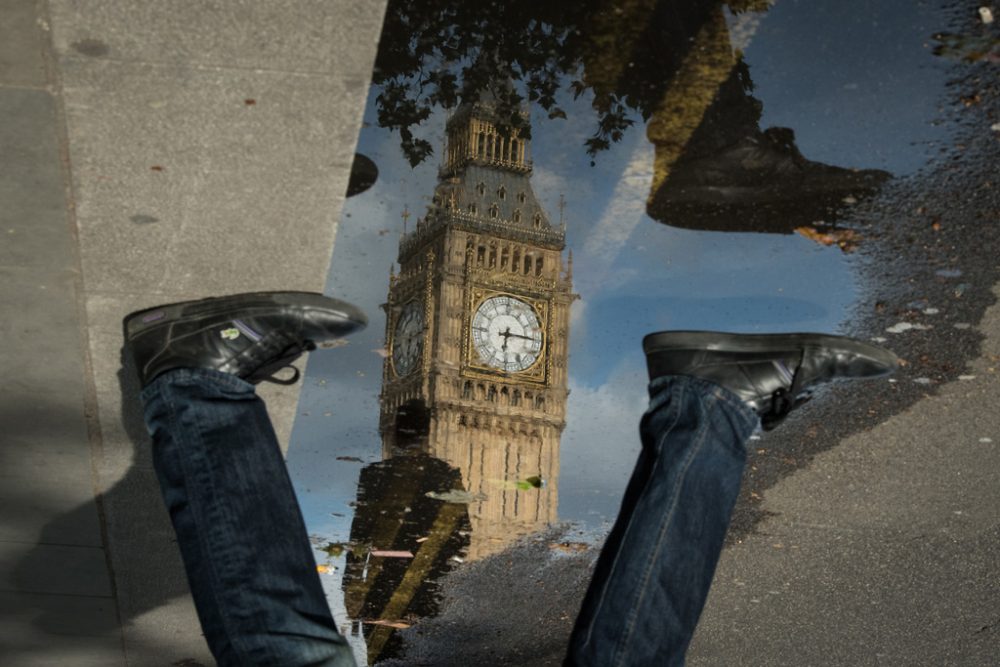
<point x="54" y="568"/>
<point x="21" y="59"/>
<point x="41" y="350"/>
<point x="211" y="195"/>
<point x="30" y="503"/>
<point x="64" y="615"/>
<point x="59" y="630"/>
<point x="44" y="432"/>
<point x="328" y="36"/>
<point x="33" y="216"/>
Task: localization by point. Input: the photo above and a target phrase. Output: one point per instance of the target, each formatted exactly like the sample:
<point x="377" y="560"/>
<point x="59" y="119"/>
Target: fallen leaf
<point x="456" y="496"/>
<point x="399" y="625"/>
<point x="846" y="239"/>
<point x="391" y="554"/>
<point x="336" y="342"/>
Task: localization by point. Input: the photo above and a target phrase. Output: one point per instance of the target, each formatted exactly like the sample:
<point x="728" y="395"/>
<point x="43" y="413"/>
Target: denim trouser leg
<point x="654" y="572"/>
<point x="239" y="527"/>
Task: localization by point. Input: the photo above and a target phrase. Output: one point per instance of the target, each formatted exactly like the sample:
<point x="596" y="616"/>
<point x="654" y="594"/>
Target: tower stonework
<point x="477" y="333"/>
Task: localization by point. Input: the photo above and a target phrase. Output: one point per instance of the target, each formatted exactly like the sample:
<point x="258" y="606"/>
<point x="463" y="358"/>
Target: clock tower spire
<point x="477" y="331"/>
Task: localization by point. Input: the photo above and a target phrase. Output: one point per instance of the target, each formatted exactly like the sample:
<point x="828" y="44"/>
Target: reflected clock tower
<point x="477" y="332"/>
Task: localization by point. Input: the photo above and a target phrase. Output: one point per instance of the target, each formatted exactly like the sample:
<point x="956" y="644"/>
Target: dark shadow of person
<point x="145" y="564"/>
<point x="146" y="571"/>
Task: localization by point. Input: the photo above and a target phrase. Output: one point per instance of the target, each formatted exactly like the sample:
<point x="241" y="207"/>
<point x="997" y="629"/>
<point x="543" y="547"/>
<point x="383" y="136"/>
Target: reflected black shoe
<point x="762" y="183"/>
<point x="364" y="173"/>
<point x="772" y="373"/>
<point x="251" y="335"/>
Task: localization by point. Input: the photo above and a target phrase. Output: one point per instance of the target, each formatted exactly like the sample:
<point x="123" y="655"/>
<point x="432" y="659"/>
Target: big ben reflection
<point x="477" y="331"/>
<point x="474" y="387"/>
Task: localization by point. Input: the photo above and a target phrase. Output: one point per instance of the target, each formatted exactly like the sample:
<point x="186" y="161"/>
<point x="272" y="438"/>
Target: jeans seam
<point x="226" y="622"/>
<point x="699" y="439"/>
<point x="614" y="566"/>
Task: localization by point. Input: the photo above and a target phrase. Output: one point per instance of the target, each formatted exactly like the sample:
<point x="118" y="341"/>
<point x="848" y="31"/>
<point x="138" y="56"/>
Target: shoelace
<point x="783" y="401"/>
<point x="266" y="373"/>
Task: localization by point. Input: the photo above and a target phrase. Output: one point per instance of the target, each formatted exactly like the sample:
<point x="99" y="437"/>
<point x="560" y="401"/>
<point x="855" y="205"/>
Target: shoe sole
<point x="765" y="344"/>
<point x="141" y="320"/>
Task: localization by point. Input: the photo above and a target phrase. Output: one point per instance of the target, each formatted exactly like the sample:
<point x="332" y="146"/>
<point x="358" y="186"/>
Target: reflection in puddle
<point x="478" y="331"/>
<point x="402" y="540"/>
<point x="474" y="381"/>
<point x="474" y="414"/>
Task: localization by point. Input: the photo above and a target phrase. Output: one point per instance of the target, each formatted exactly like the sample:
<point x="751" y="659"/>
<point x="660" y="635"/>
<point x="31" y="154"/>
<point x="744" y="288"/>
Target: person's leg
<point x="708" y="390"/>
<point x="239" y="528"/>
<point x="240" y="532"/>
<point x="654" y="572"/>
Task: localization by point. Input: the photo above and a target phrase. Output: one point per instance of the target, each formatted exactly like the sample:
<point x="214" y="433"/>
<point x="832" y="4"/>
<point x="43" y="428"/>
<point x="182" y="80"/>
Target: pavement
<point x="153" y="152"/>
<point x="883" y="551"/>
<point x="149" y="152"/>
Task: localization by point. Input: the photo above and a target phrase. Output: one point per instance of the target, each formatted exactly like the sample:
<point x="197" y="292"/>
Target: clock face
<point x="506" y="334"/>
<point x="408" y="339"/>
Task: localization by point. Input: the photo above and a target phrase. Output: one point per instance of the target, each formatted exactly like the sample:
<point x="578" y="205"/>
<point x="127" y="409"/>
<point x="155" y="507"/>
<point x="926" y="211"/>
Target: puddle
<point x="511" y="274"/>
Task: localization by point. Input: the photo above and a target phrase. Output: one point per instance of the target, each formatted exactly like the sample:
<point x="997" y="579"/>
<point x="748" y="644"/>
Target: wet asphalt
<point x="928" y="263"/>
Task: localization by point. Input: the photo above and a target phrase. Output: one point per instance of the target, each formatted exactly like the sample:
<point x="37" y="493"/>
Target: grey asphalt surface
<point x="867" y="532"/>
<point x="868" y="529"/>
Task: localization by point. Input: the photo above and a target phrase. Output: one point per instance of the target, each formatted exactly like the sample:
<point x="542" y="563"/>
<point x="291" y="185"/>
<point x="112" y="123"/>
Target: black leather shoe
<point x="251" y="335"/>
<point x="772" y="373"/>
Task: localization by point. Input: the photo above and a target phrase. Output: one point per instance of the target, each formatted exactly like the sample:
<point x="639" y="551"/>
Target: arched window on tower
<point x="517" y="215"/>
<point x="481" y="145"/>
<point x="521" y="197"/>
<point x="481" y="189"/>
<point x="513" y="151"/>
<point x="502" y="193"/>
<point x="494" y="211"/>
<point x="538" y="266"/>
<point x="537" y="220"/>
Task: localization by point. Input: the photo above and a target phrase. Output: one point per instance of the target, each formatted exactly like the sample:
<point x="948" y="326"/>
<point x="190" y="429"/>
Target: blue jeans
<point x="254" y="579"/>
<point x="654" y="572"/>
<point x="240" y="531"/>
